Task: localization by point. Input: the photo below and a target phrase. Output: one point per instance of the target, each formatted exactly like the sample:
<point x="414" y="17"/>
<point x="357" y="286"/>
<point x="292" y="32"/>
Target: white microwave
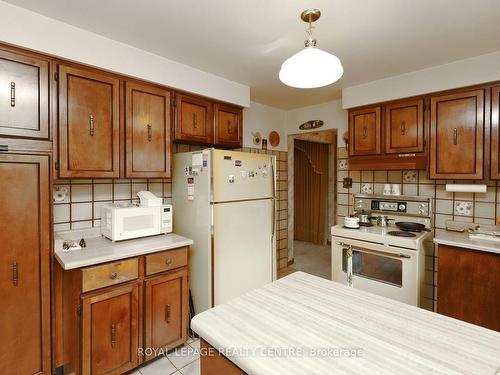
<point x="126" y="222"/>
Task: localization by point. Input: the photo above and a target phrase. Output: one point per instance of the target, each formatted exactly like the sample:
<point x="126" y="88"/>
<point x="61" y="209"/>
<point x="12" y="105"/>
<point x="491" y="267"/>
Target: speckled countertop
<point x="309" y="313"/>
<point x="100" y="249"/>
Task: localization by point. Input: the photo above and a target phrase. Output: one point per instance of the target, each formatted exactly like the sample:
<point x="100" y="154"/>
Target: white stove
<point x="384" y="260"/>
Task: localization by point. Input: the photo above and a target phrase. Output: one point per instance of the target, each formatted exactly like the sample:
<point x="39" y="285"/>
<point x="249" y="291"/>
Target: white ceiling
<point x="247" y="40"/>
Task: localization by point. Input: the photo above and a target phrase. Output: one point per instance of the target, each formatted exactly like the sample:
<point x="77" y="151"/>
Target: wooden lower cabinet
<point x="110" y="327"/>
<point x="25" y="267"/>
<point x="467" y="286"/>
<point x="166" y="311"/>
<point x="214" y="363"/>
<point x="110" y="323"/>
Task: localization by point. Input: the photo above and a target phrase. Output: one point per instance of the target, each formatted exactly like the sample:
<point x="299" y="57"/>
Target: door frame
<point x="322" y="136"/>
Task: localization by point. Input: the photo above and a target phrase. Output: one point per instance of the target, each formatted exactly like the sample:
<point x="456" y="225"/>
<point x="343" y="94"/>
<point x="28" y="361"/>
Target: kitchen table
<point x="305" y="324"/>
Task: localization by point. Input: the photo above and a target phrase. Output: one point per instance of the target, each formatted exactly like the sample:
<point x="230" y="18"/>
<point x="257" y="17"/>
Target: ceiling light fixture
<point x="311" y="67"/>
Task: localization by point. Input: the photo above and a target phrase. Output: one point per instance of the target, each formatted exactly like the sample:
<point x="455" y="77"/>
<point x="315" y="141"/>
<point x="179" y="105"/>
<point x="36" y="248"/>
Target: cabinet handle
<point x="229" y="127"/>
<point x="403" y="128"/>
<point x="455" y="136"/>
<point x="12" y="94"/>
<point x="150" y="132"/>
<point x="169" y="261"/>
<point x="365" y="131"/>
<point x="91" y="125"/>
<point x="113" y="275"/>
<point x="195" y="121"/>
<point x="15" y="274"/>
<point x="113" y="335"/>
<point x="167" y="313"/>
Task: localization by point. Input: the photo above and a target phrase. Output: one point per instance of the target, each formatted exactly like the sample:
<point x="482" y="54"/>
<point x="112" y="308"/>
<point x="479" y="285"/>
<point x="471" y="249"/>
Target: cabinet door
<point x="147" y="123"/>
<point x="404" y="127"/>
<point x="88" y="124"/>
<point x="24" y="265"/>
<point x="457" y="126"/>
<point x="166" y="310"/>
<point x="194" y="120"/>
<point x="24" y="95"/>
<point x="228" y="126"/>
<point x="467" y="286"/>
<point x="495" y="133"/>
<point x="110" y="323"/>
<point x="364" y="131"/>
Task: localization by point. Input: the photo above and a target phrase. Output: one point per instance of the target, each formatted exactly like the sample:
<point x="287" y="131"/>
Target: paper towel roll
<point x="466" y="188"/>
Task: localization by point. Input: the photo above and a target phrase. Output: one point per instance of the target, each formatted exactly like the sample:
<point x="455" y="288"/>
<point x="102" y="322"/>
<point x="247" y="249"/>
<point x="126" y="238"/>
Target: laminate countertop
<point x="99" y="249"/>
<point x="456" y="239"/>
<point x="303" y="324"/>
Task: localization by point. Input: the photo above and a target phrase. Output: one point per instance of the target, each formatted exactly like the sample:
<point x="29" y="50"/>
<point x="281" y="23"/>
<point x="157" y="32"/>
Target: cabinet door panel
<point x="147" y="131"/>
<point x="364" y="132"/>
<point x="404" y="127"/>
<point x="24" y="96"/>
<point x="457" y="126"/>
<point x="166" y="310"/>
<point x="495" y="132"/>
<point x="228" y="126"/>
<point x="89" y="124"/>
<point x="194" y="120"/>
<point x="467" y="286"/>
<point x="110" y="331"/>
<point x="24" y="266"/>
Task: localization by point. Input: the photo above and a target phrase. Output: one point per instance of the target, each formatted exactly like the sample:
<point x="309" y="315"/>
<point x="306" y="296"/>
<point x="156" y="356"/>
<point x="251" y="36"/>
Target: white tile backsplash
<point x="103" y="192"/>
<point x="81" y="211"/>
<point x="122" y="191"/>
<point x="81" y="193"/>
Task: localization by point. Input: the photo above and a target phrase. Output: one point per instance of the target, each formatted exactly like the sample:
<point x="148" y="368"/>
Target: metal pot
<point x="365" y="219"/>
<point x="383" y="221"/>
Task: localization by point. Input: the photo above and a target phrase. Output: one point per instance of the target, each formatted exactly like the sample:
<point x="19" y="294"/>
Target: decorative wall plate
<point x="257" y="138"/>
<point x="274" y="139"/>
<point x="312" y="124"/>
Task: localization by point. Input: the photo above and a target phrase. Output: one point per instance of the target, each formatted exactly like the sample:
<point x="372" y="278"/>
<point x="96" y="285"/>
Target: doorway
<point x="311" y="192"/>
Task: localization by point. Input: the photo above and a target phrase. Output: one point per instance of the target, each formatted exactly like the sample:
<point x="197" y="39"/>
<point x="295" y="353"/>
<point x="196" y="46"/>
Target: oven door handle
<point x="375" y="252"/>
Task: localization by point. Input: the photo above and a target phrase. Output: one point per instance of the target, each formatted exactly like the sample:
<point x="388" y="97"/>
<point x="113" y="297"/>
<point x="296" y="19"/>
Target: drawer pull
<point x="455" y="136"/>
<point x="365" y="131"/>
<point x="150" y="133"/>
<point x="12" y="94"/>
<point x="403" y="128"/>
<point x="167" y="313"/>
<point x="15" y="274"/>
<point x="91" y="124"/>
<point x="113" y="275"/>
<point x="113" y="335"/>
<point x="169" y="261"/>
<point x="229" y="127"/>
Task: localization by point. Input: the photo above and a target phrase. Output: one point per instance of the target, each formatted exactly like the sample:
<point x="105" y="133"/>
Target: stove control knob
<point x="402" y="207"/>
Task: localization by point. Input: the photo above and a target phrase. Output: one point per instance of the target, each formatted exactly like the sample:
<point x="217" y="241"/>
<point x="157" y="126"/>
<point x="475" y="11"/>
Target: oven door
<point x="388" y="271"/>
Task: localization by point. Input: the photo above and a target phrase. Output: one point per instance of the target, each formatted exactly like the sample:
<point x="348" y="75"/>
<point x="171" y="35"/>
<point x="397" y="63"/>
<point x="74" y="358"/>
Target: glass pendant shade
<point x="310" y="68"/>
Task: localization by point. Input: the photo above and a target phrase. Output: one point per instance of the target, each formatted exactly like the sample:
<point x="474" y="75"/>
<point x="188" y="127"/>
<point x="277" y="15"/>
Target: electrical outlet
<point x="347" y="183"/>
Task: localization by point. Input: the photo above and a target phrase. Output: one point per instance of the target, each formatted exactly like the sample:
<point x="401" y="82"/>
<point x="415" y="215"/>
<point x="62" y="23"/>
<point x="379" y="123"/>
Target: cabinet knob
<point x="365" y="131"/>
<point x="455" y="136"/>
<point x="113" y="275"/>
<point x="229" y="127"/>
<point x="403" y="127"/>
<point x="167" y="313"/>
<point x="113" y="335"/>
<point x="91" y="125"/>
<point x="195" y="121"/>
<point x="169" y="261"/>
<point x="150" y="132"/>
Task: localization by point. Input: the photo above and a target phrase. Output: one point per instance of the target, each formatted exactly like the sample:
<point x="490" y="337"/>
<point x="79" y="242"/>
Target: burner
<point x="401" y="234"/>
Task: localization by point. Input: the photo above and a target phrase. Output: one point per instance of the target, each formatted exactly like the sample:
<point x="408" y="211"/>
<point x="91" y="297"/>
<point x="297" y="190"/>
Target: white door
<point x="243" y="251"/>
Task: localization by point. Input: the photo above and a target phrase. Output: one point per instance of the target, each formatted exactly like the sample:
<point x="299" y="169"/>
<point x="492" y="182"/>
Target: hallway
<point x="313" y="259"/>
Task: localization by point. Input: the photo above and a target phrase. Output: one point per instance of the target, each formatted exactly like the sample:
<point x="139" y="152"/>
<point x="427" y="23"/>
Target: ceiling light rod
<point x="309" y="16"/>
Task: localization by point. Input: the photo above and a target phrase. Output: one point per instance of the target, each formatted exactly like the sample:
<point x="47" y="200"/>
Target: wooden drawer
<point x="109" y="274"/>
<point x="166" y="260"/>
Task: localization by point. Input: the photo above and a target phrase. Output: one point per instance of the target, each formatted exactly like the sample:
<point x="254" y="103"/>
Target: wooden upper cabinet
<point x="364" y="131"/>
<point x="404" y="127"/>
<point x="228" y="126"/>
<point x="457" y="128"/>
<point x="193" y="120"/>
<point x="110" y="325"/>
<point x="166" y="310"/>
<point x="24" y="95"/>
<point x="495" y="133"/>
<point x="25" y="266"/>
<point x="147" y="124"/>
<point x="89" y="124"/>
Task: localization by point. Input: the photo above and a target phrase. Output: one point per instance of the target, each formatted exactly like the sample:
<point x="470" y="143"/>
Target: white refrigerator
<point x="225" y="202"/>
